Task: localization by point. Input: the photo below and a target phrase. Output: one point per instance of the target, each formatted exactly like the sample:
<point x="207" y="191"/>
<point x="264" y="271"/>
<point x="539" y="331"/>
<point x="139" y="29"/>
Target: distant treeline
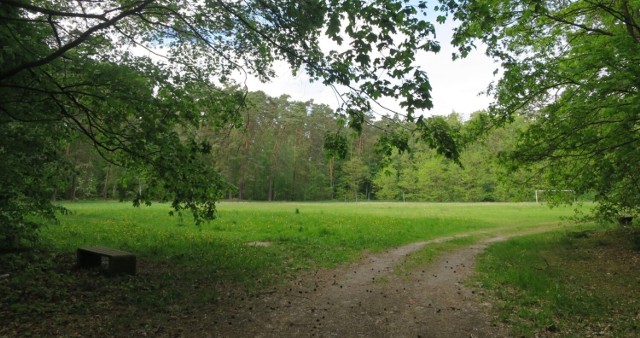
<point x="279" y="153"/>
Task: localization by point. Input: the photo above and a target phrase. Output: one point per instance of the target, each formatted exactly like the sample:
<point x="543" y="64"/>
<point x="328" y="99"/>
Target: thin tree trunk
<point x="105" y="187"/>
<point x="274" y="164"/>
<point x="74" y="187"/>
<point x="74" y="180"/>
<point x="331" y="176"/>
<point x="270" y="195"/>
<point x="243" y="167"/>
<point x="293" y="176"/>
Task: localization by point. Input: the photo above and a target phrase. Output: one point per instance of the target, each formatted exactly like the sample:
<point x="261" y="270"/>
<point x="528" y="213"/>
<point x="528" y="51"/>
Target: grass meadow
<point x="299" y="235"/>
<point x="184" y="269"/>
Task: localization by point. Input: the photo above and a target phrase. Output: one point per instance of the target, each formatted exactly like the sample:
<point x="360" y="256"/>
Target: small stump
<point x="116" y="261"/>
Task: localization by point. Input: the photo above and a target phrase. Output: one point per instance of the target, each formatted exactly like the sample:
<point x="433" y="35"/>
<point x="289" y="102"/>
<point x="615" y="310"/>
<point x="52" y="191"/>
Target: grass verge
<point x="566" y="284"/>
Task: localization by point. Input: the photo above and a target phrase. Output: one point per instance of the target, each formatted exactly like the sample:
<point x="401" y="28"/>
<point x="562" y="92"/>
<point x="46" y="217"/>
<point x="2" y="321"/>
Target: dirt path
<point x="367" y="299"/>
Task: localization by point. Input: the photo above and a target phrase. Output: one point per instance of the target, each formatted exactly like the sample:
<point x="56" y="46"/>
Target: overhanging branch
<point x="73" y="44"/>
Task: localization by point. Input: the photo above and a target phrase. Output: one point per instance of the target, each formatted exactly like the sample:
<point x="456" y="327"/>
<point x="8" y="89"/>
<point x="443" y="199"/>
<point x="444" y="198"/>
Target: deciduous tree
<point x="573" y="68"/>
<point x="74" y="68"/>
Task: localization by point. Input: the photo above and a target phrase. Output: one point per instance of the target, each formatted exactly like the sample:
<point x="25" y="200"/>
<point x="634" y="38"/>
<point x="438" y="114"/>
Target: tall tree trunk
<point x="270" y="194"/>
<point x="355" y="190"/>
<point x="246" y="145"/>
<point x="105" y="187"/>
<point x="331" y="176"/>
<point x="296" y="140"/>
<point x="71" y="194"/>
<point x="274" y="163"/>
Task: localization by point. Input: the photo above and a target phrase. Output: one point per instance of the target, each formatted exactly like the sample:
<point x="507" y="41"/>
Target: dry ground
<point x="367" y="299"/>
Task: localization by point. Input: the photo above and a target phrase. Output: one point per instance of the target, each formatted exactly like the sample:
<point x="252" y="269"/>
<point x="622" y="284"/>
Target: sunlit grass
<point x="301" y="235"/>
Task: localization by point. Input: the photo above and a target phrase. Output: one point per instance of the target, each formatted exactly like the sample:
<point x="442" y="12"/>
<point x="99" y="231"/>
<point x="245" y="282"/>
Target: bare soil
<point x="366" y="299"/>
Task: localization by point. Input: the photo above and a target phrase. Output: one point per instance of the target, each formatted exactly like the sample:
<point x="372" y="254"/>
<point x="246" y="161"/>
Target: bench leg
<point x="125" y="264"/>
<point x="88" y="259"/>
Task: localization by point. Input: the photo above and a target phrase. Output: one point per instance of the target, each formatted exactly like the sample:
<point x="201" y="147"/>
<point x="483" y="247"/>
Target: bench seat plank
<point x="103" y="250"/>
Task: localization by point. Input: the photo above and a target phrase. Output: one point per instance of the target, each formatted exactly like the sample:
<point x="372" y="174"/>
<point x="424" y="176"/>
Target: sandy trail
<point x="366" y="299"/>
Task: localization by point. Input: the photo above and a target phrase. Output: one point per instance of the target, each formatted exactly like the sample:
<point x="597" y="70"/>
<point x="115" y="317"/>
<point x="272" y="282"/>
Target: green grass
<point x="182" y="268"/>
<point x="318" y="235"/>
<point x="571" y="284"/>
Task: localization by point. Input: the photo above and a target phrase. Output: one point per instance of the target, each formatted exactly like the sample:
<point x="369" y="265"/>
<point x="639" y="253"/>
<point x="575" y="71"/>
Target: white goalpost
<point x="540" y="192"/>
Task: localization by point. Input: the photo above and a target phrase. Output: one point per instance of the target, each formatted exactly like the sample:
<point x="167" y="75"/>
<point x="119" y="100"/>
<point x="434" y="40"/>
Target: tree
<point x="423" y="175"/>
<point x="573" y="69"/>
<point x="355" y="171"/>
<point x="74" y="69"/>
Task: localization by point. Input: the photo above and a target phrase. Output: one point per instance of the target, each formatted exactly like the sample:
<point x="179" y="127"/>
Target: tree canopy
<point x="141" y="79"/>
<point x="573" y="69"/>
<point x="138" y="78"/>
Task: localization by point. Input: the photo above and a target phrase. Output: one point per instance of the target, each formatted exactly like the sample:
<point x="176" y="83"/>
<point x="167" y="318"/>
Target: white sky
<point x="455" y="84"/>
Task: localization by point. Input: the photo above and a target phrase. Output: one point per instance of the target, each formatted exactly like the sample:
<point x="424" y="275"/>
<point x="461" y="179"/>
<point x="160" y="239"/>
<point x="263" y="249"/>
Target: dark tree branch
<point x="578" y="25"/>
<point x="55" y="30"/>
<point x="63" y="90"/>
<point x="50" y="12"/>
<point x="72" y="44"/>
<point x="632" y="28"/>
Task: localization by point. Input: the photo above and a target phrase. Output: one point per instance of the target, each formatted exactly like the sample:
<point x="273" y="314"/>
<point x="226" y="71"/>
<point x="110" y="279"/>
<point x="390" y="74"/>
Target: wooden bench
<point x="625" y="220"/>
<point x="117" y="261"/>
